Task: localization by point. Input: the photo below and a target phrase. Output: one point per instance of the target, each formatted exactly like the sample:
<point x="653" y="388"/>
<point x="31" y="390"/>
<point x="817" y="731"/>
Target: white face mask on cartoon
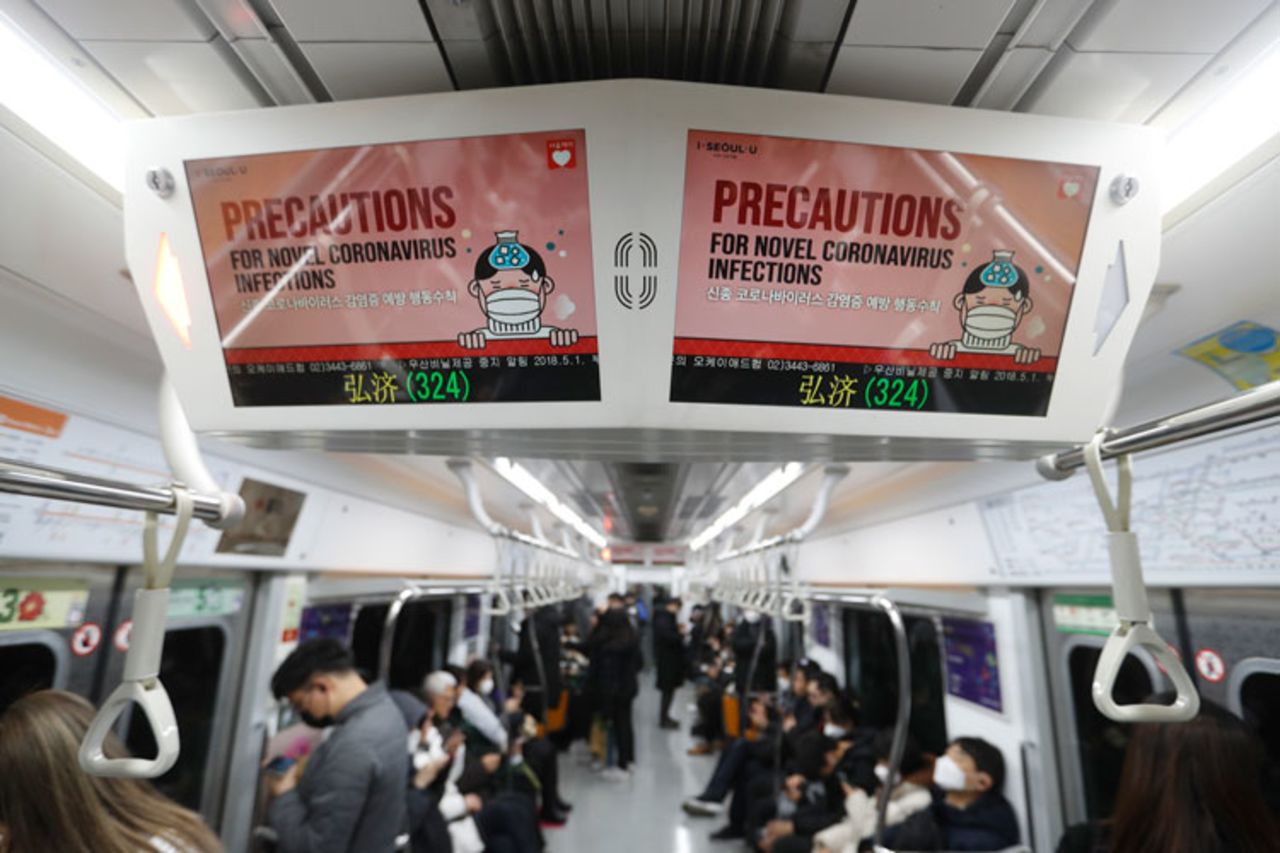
<point x="948" y="776"/>
<point x="512" y="307"/>
<point x="990" y="322"/>
<point x="486" y="686"/>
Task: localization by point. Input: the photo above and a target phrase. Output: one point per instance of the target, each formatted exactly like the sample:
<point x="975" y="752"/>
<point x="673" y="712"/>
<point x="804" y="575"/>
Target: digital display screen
<point x="837" y="275"/>
<point x="412" y="273"/>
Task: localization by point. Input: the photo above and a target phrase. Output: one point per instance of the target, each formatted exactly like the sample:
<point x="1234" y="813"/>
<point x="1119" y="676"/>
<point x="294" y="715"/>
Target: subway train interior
<point x="381" y="354"/>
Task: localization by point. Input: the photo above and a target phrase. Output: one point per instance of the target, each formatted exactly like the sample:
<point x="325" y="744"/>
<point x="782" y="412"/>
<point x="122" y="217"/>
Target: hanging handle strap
<point x="1133" y="611"/>
<point x="141" y="683"/>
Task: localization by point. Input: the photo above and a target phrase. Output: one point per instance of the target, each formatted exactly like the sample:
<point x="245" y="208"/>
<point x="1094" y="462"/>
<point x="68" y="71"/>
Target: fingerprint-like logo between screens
<point x="629" y="296"/>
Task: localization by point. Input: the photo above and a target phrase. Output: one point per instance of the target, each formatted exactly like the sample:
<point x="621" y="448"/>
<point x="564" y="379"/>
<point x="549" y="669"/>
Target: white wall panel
<point x="173" y="78"/>
<point x="130" y="20"/>
<point x="1125" y="87"/>
<point x="1165" y="26"/>
<point x="344" y="20"/>
<point x="947" y="546"/>
<point x="924" y="75"/>
<point x="353" y="70"/>
<point x="926" y="23"/>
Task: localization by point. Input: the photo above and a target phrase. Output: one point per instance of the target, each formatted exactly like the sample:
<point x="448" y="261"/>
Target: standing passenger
<point x="48" y="803"/>
<point x="616" y="656"/>
<point x="668" y="654"/>
<point x="352" y="795"/>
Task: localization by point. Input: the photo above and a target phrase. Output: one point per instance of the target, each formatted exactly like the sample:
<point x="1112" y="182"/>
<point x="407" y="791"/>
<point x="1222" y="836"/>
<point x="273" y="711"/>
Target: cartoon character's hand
<point x="944" y="351"/>
<point x="1026" y="355"/>
<point x="563" y="337"/>
<point x="472" y="340"/>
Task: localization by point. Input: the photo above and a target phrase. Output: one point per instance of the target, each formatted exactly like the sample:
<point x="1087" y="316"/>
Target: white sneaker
<point x="615" y="774"/>
<point x="702" y="808"/>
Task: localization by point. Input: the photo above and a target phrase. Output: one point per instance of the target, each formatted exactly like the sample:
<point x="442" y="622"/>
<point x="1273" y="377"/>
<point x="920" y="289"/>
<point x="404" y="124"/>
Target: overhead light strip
<point x="519" y="476"/>
<point x="1236" y="123"/>
<point x="763" y="492"/>
<point x="36" y="89"/>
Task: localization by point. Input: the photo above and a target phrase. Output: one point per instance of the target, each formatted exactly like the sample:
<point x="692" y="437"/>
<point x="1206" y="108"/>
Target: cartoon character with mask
<point x="994" y="301"/>
<point x="511" y="285"/>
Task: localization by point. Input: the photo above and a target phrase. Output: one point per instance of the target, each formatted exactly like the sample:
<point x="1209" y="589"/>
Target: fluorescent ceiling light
<point x="763" y="492"/>
<point x="1235" y="123"/>
<point x="519" y="476"/>
<point x="36" y="89"/>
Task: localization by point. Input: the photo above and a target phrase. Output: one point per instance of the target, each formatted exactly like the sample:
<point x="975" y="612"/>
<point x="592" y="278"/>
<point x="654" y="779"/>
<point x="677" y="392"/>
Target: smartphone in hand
<point x="280" y="765"/>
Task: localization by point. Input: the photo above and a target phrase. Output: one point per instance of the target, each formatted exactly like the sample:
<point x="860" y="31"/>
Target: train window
<point x="1101" y="740"/>
<point x="25" y="668"/>
<point x="1260" y="707"/>
<point x="190" y="671"/>
<point x="366" y="638"/>
<point x="418" y="644"/>
<point x="872" y="662"/>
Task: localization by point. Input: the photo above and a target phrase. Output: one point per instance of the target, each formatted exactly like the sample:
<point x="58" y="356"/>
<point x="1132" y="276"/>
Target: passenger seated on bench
<point x="910" y="794"/>
<point x="740" y="759"/>
<point x="811" y="799"/>
<point x="1185" y="787"/>
<point x="968" y="811"/>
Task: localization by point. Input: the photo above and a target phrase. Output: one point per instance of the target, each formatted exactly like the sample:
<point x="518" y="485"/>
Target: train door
<point x="54" y="620"/>
<point x="871" y="663"/>
<point x="1091" y="746"/>
<point x="204" y="648"/>
<point x="1234" y="639"/>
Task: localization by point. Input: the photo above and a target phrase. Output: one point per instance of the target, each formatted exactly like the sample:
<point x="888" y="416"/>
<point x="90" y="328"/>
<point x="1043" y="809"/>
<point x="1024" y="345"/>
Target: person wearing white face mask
<point x="993" y="303"/>
<point x="908" y="795"/>
<point x="511" y="286"/>
<point x="475" y="703"/>
<point x="968" y="811"/>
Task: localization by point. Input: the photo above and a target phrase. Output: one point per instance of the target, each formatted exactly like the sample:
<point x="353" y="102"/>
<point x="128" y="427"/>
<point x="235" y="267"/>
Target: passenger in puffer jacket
<point x="910" y="795"/>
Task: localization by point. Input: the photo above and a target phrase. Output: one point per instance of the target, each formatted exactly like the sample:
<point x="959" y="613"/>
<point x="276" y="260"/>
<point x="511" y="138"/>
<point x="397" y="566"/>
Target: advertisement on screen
<point x="837" y="275"/>
<point x="414" y="273"/>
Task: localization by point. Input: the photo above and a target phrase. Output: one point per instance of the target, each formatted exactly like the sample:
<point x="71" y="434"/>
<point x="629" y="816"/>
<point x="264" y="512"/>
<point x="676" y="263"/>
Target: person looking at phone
<point x="351" y="797"/>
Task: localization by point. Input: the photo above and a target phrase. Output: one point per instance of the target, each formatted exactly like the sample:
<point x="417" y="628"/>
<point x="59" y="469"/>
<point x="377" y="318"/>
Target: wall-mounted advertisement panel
<point x="838" y="275"/>
<point x="414" y="273"/>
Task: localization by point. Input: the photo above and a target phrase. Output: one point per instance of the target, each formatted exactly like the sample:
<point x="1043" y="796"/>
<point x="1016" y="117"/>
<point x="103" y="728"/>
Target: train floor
<point x="641" y="814"/>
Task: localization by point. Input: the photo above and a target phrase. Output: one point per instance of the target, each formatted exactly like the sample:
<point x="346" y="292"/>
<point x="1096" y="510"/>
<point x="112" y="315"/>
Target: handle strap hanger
<point x="141" y="682"/>
<point x="1132" y="608"/>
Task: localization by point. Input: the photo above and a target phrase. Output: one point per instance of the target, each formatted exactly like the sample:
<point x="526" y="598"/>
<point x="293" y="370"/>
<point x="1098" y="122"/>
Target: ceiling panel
<point x="1164" y="26"/>
<point x="1111" y="86"/>
<point x="1021" y="67"/>
<point x="345" y="20"/>
<point x="353" y="70"/>
<point x="173" y="78"/>
<point x="932" y="76"/>
<point x="1054" y="22"/>
<point x="926" y="23"/>
<point x="272" y="69"/>
<point x="129" y="20"/>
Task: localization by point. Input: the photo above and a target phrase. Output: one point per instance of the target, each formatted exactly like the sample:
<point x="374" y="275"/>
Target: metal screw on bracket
<point x="160" y="181"/>
<point x="1123" y="189"/>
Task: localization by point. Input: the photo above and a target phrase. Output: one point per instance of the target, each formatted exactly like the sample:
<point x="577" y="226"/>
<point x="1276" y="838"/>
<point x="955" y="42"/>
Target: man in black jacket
<point x="968" y="812"/>
<point x="668" y="654"/>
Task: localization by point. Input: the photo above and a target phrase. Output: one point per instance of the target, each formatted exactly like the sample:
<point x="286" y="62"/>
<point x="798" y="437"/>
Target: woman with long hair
<point x="48" y="803"/>
<point x="1193" y="787"/>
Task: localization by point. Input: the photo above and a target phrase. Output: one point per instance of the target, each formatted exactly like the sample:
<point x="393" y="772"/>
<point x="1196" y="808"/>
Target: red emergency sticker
<point x="86" y="639"/>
